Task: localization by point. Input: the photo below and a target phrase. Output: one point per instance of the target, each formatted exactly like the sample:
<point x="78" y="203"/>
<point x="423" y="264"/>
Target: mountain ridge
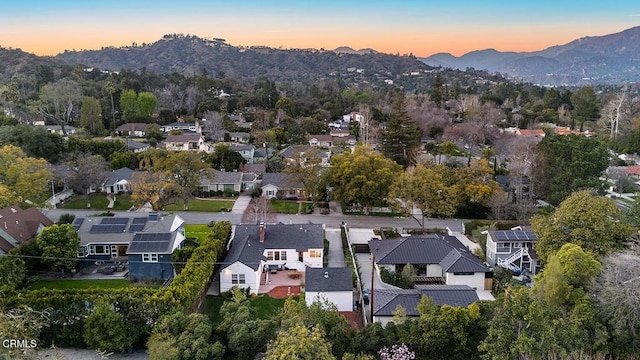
<point x="607" y="59"/>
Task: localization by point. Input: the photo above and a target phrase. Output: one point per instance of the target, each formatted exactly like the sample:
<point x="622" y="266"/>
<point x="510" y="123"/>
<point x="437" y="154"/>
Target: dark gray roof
<point x="290" y="150"/>
<point x="116" y="175"/>
<point x="182" y="138"/>
<point x="254" y="168"/>
<point x="336" y="279"/>
<point x="136" y="145"/>
<point x="247" y="248"/>
<point x="246" y="177"/>
<point x="512" y="235"/>
<point x="159" y="243"/>
<point x="460" y="260"/>
<point x="164" y="224"/>
<point x="424" y="249"/>
<point x="242" y="147"/>
<point x="386" y="301"/>
<point x="260" y="153"/>
<point x="281" y="181"/>
<point x="133" y="127"/>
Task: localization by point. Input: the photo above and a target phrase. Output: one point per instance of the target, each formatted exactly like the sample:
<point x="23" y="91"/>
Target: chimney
<point x="261" y="232"/>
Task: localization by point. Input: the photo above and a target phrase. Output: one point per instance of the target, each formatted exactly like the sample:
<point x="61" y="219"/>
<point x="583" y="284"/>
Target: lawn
<point x="289" y="206"/>
<point x="198" y="231"/>
<point x="203" y="205"/>
<point x="263" y="306"/>
<point x="98" y="201"/>
<point x="63" y="284"/>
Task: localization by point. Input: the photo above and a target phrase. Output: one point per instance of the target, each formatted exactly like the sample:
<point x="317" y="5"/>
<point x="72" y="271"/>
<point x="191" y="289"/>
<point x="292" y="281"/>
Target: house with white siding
<point x="333" y="285"/>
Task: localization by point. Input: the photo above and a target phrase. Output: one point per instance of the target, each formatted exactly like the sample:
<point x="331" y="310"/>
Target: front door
<point x="300" y="256"/>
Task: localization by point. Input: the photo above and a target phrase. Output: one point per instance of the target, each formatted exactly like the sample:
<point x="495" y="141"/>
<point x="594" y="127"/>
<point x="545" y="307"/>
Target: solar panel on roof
<point x="136" y="227"/>
<point x="139" y="220"/>
<point x="77" y="223"/>
<point x="114" y="221"/>
<point x="150" y="242"/>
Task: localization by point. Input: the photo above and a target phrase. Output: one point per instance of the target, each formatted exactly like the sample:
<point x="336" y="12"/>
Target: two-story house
<point x="512" y="249"/>
<point x="18" y="226"/>
<point x="257" y="248"/>
<point x="143" y="242"/>
<point x="188" y="142"/>
<point x="247" y="152"/>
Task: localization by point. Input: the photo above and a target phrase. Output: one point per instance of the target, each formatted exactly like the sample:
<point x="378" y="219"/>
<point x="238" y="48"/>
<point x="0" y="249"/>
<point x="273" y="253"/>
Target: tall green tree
<point x="569" y="163"/>
<point x="594" y="223"/>
<point x="362" y="178"/>
<point x="401" y="137"/>
<point x="91" y="116"/>
<point x="185" y="169"/>
<point x="146" y="104"/>
<point x="585" y="106"/>
<point x="129" y="103"/>
<point x="424" y="188"/>
<point x="181" y="336"/>
<point x="59" y="245"/>
<point x="12" y="272"/>
<point x="300" y="343"/>
<point x="105" y="329"/>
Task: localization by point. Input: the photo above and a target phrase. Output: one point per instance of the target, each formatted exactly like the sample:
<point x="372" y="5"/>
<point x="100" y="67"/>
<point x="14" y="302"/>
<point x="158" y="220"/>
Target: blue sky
<point x="419" y="27"/>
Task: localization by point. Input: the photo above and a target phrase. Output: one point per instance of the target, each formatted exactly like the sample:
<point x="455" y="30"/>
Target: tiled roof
<point x="387" y="301"/>
<point x="247" y="248"/>
<point x="328" y="279"/>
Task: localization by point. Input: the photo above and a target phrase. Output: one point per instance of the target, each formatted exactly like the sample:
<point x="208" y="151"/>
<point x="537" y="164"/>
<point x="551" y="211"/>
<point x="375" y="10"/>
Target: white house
<point x="512" y="249"/>
<point x="438" y="259"/>
<point x="334" y="285"/>
<point x="117" y="181"/>
<point x="188" y="142"/>
<point x="257" y="248"/>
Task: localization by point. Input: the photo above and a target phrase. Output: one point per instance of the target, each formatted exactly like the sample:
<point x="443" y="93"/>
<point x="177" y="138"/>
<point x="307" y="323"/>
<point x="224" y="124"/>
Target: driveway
<point x="336" y="255"/>
<point x="241" y="204"/>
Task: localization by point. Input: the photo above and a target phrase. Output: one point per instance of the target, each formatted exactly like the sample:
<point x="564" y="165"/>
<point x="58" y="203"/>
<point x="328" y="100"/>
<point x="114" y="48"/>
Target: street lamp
<point x="53" y="191"/>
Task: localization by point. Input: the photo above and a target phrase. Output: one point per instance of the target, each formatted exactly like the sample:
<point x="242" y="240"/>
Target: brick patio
<point x="280" y="279"/>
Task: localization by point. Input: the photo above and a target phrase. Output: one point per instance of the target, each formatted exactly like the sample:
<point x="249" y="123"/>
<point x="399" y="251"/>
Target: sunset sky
<point x="48" y="27"/>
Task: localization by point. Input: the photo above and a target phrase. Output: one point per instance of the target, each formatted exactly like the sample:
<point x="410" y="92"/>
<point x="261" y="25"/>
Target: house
<point x="231" y="136"/>
<point x="323" y="141"/>
<point x="144" y="243"/>
<point x="282" y="186"/>
<point x="386" y="302"/>
<point x="136" y="146"/>
<point x="222" y="181"/>
<point x="512" y="249"/>
<point x="340" y="133"/>
<point x="438" y="259"/>
<point x="18" y="226"/>
<point x="334" y="285"/>
<point x="257" y="248"/>
<point x="58" y="129"/>
<point x="185" y="127"/>
<point x="188" y="142"/>
<point x="132" y="129"/>
<point x="117" y="181"/>
<point x="256" y="169"/>
<point x="291" y="153"/>
<point x="247" y="152"/>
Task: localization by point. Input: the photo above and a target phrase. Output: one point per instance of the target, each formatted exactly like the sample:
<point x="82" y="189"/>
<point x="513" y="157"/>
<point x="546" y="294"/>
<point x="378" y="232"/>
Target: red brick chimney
<point x="261" y="232"/>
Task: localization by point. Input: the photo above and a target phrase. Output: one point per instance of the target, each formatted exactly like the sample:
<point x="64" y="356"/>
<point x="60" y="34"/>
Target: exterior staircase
<point x="507" y="262"/>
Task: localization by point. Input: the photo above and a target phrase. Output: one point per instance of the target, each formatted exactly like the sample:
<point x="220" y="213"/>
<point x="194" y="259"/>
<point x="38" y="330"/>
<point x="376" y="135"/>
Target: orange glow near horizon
<point x="41" y="40"/>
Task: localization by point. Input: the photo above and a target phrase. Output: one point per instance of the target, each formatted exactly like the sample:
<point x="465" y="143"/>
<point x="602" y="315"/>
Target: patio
<point x="290" y="279"/>
<point x="104" y="270"/>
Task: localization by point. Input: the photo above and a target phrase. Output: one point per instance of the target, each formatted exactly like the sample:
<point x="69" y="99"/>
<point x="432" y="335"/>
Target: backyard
<point x="264" y="306"/>
<point x="63" y="284"/>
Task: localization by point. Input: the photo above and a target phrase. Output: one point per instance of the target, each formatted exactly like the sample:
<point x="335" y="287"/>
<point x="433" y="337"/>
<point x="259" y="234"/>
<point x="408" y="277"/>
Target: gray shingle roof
<point x="163" y="225"/>
<point x="447" y="251"/>
<point x="182" y="138"/>
<point x="386" y="301"/>
<point x="222" y="177"/>
<point x="337" y="279"/>
<point x="135" y="145"/>
<point x="290" y="150"/>
<point x="247" y="248"/>
<point x="281" y="181"/>
<point x="116" y="175"/>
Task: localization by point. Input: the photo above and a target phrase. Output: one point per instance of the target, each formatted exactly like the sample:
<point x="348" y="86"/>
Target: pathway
<point x="241" y="204"/>
<point x="336" y="255"/>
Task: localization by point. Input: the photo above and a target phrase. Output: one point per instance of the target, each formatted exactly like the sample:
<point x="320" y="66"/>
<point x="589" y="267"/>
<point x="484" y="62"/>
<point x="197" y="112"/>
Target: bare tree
<point x="89" y="173"/>
<point x="259" y="210"/>
<point x="58" y="102"/>
<point x="618" y="292"/>
<point x="214" y="121"/>
<point x="498" y="203"/>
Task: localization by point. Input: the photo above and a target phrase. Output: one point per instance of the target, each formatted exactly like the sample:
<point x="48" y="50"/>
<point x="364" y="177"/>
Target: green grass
<point x="263" y="306"/>
<point x="80" y="284"/>
<point x="289" y="206"/>
<point x="203" y="205"/>
<point x="98" y="202"/>
<point x="198" y="231"/>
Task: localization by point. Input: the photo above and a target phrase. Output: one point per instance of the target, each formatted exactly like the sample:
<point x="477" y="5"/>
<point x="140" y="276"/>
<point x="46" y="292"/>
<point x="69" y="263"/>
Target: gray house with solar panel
<point x="513" y="250"/>
<point x="143" y="243"/>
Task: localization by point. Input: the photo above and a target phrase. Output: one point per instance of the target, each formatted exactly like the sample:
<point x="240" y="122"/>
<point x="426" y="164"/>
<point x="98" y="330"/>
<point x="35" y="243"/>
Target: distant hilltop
<point x="607" y="59"/>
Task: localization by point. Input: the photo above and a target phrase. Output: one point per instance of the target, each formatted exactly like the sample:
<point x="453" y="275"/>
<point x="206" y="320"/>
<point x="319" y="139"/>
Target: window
<point x="463" y="273"/>
<point x="82" y="251"/>
<point x="315" y="253"/>
<point x="271" y="193"/>
<point x="149" y="257"/>
<point x="100" y="249"/>
<point x="269" y="255"/>
<point x="283" y="255"/>
<point x="517" y="245"/>
<point x="237" y="279"/>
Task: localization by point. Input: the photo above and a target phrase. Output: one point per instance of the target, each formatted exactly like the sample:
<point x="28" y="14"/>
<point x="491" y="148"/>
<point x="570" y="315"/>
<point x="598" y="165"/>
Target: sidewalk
<point x="241" y="204"/>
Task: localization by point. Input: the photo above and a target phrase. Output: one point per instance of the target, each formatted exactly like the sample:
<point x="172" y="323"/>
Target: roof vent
<point x="326" y="274"/>
<point x="14" y="210"/>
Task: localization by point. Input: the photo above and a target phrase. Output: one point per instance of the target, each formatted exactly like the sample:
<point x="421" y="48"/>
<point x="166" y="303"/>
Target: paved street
<point x="330" y="221"/>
